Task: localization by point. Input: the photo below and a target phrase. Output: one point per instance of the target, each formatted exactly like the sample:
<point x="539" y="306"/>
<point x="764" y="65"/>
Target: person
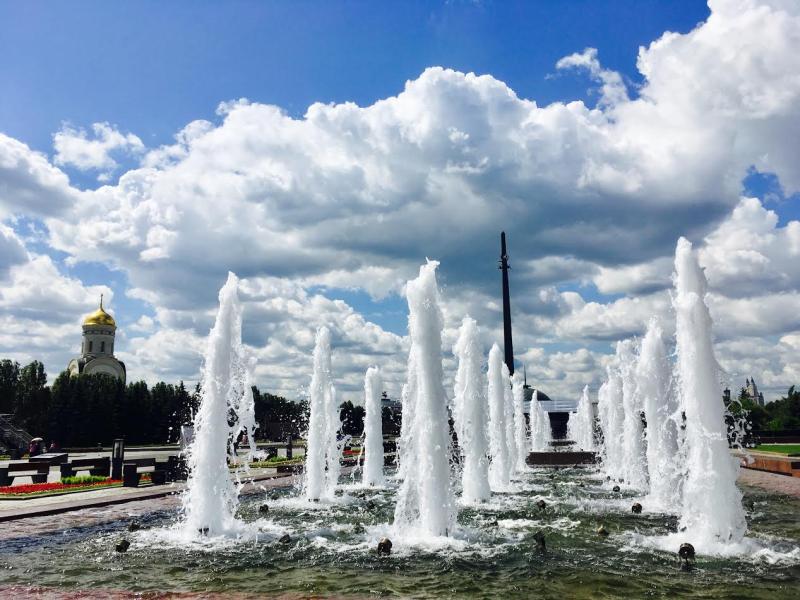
<point x="53" y="446"/>
<point x="34" y="448"/>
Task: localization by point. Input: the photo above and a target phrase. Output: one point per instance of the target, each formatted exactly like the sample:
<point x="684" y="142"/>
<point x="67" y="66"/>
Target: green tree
<point x="32" y="399"/>
<point x="9" y="380"/>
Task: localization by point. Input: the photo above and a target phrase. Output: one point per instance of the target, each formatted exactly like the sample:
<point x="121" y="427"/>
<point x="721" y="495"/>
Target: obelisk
<point x="508" y="344"/>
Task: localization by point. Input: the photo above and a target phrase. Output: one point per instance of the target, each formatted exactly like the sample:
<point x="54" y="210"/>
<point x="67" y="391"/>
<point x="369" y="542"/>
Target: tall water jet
<point x="322" y="448"/>
<point x="541" y="435"/>
<point x="500" y="465"/>
<point x="508" y="407"/>
<point x="653" y="376"/>
<point x="580" y="427"/>
<point x="520" y="434"/>
<point x="373" y="428"/>
<point x="633" y="444"/>
<point x="425" y="502"/>
<point x="211" y="498"/>
<point x="471" y="414"/>
<point x="712" y="504"/>
<point x="609" y="408"/>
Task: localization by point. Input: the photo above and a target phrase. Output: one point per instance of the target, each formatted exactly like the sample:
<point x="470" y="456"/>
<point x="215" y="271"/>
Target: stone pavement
<point x="131" y="509"/>
<point x="772" y="482"/>
<point x="11" y="510"/>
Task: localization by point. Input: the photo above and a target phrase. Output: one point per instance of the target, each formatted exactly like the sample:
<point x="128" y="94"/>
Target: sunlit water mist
<point x="210" y="499"/>
<point x="425" y="503"/>
<point x="653" y="376"/>
<point x="508" y="407"/>
<point x="323" y="451"/>
<point x="580" y="427"/>
<point x="373" y="432"/>
<point x="471" y="415"/>
<point x="712" y="504"/>
<point x="500" y="465"/>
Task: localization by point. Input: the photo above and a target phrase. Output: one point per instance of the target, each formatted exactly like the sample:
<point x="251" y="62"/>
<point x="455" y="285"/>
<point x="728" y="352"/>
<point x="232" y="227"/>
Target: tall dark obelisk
<point x="509" y="345"/>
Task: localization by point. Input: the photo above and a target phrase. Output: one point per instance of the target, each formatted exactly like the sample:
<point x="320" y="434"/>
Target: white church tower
<point x="97" y="348"/>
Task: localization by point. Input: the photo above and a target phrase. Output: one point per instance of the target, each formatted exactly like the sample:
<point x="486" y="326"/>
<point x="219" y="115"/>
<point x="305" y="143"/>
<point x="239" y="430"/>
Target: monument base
<point x="560" y="459"/>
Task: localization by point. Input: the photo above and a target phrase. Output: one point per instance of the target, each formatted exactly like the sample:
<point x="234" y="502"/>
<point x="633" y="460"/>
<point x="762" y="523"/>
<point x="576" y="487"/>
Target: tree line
<point x="778" y="415"/>
<point x="90" y="410"/>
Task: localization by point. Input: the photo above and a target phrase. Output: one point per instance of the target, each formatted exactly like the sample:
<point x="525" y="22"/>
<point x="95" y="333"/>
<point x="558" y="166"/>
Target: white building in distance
<point x="97" y="348"/>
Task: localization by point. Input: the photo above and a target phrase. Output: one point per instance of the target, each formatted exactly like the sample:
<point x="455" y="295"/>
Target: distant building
<point x="750" y="391"/>
<point x="97" y="347"/>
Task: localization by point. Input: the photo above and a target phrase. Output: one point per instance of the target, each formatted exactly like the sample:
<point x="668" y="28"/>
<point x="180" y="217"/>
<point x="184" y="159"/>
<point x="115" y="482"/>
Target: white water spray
<point x="373" y="429"/>
<point x="712" y="504"/>
<point x="211" y="497"/>
<point x="425" y="503"/>
<point x="653" y="375"/>
<point x="508" y="407"/>
<point x="500" y="465"/>
<point x="580" y="427"/>
<point x="520" y="434"/>
<point x="323" y="452"/>
<point x="541" y="434"/>
<point x="609" y="408"/>
<point x="471" y="414"/>
<point x="633" y="444"/>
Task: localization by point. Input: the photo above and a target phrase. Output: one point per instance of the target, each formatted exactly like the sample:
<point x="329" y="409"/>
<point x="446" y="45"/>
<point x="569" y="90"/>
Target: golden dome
<point x="100" y="317"/>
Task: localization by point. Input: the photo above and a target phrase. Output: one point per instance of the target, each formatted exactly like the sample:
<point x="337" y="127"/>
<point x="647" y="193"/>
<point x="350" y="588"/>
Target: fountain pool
<point x="332" y="550"/>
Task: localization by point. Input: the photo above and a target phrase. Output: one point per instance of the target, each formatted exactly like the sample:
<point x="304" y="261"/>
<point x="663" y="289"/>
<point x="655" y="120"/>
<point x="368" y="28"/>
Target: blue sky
<point x="151" y="67"/>
<point x="638" y="136"/>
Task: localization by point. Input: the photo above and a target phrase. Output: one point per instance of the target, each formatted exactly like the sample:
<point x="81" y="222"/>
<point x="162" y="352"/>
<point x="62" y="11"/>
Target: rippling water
<point x="492" y="555"/>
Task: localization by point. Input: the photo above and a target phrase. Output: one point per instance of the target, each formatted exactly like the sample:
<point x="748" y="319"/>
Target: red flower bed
<point x="33" y="488"/>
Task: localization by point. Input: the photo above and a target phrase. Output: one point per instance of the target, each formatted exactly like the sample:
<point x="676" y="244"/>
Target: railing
<point x="13" y="435"/>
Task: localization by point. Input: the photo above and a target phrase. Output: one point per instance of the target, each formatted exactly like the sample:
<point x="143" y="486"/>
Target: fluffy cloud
<point x="29" y="184"/>
<point x="75" y="148"/>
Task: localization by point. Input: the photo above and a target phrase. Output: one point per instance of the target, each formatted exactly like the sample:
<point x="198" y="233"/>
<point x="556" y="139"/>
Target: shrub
<point x="83" y="479"/>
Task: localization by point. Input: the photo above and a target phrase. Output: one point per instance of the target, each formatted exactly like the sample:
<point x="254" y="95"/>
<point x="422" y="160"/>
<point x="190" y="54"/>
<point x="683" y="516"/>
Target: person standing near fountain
<point x="425" y="503"/>
<point x="373" y="432"/>
<point x="500" y="466"/>
<point x="322" y="448"/>
<point x="712" y="504"/>
<point x="471" y="414"/>
<point x="211" y="499"/>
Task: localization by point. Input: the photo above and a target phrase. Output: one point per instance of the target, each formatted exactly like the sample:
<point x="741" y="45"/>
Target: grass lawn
<point x="779" y="448"/>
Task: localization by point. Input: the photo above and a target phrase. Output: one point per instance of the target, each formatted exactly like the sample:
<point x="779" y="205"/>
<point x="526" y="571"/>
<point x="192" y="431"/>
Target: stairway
<point x="12" y="436"/>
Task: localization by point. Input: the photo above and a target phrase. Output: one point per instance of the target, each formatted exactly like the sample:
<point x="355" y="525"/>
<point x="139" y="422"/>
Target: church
<point x="97" y="347"/>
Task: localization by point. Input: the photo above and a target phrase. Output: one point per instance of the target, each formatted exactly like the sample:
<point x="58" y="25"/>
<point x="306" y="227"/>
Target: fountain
<point x="520" y="437"/>
<point x="633" y="446"/>
<point x="712" y="504"/>
<point x="471" y="416"/>
<point x="425" y="504"/>
<point x="653" y="375"/>
<point x="323" y="452"/>
<point x="541" y="435"/>
<point x="211" y="498"/>
<point x="508" y="409"/>
<point x="581" y="427"/>
<point x="373" y="432"/>
<point x="609" y="408"/>
<point x="500" y="465"/>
